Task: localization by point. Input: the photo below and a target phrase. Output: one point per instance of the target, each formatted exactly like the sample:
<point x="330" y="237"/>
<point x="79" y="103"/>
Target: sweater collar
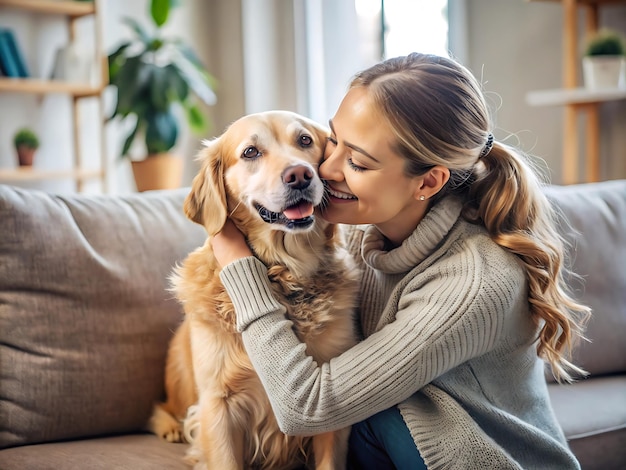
<point x="422" y="242"/>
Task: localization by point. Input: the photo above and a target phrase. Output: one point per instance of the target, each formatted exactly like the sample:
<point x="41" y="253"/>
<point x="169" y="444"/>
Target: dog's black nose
<point x="298" y="177"/>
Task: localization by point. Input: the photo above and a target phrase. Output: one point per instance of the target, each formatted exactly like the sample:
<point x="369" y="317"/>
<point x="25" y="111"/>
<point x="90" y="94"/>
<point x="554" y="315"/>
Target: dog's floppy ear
<point x="322" y="134"/>
<point x="206" y="203"/>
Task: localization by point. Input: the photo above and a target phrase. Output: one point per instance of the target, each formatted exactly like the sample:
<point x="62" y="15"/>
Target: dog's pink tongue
<point x="299" y="211"/>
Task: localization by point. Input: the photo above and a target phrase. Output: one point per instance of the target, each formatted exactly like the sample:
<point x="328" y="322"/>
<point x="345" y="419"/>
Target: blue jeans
<point x="383" y="441"/>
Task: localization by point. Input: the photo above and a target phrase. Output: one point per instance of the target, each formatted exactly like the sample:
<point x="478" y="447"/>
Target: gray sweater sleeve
<point x="309" y="398"/>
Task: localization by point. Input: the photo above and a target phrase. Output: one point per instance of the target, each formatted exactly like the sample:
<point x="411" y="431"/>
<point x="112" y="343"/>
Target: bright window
<point x="404" y="26"/>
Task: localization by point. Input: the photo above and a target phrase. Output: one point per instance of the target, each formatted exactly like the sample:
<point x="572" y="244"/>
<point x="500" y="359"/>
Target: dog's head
<point x="261" y="170"/>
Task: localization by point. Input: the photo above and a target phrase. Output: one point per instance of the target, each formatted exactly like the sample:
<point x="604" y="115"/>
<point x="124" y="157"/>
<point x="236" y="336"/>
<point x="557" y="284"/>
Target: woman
<point x="462" y="289"/>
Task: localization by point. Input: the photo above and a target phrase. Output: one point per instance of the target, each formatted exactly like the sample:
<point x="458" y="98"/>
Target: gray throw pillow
<point x="85" y="314"/>
<point x="596" y="214"/>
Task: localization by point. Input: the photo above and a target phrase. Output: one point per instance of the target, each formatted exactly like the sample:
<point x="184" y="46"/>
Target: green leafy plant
<point x="153" y="75"/>
<point x="605" y="42"/>
<point x="26" y="138"/>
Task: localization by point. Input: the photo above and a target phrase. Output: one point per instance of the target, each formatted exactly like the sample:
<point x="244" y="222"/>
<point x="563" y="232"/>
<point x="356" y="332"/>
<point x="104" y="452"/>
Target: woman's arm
<point x="428" y="337"/>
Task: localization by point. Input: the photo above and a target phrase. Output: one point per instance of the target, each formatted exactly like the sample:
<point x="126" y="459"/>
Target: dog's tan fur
<point x="232" y="424"/>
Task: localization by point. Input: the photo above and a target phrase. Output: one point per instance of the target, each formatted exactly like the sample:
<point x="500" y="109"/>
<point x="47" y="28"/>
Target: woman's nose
<point x="330" y="168"/>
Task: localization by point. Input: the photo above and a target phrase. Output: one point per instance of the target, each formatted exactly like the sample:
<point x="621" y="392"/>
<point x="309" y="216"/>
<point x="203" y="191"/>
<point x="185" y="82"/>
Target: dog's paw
<point x="173" y="435"/>
<point x="166" y="426"/>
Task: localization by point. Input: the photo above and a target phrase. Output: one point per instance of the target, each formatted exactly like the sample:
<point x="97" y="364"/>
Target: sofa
<point x="86" y="315"/>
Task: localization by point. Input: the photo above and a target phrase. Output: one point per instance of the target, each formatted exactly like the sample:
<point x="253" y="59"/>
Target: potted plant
<point x="26" y="143"/>
<point x="604" y="64"/>
<point x="153" y="76"/>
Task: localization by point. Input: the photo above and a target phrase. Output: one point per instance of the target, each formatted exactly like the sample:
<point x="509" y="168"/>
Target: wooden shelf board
<point x="66" y="7"/>
<point x="34" y="174"/>
<point x="573" y="96"/>
<point x="584" y="2"/>
<point x="42" y="87"/>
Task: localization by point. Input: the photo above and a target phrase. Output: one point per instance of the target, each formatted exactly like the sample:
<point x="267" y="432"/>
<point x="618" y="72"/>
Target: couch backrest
<point x="597" y="214"/>
<point x="85" y="314"/>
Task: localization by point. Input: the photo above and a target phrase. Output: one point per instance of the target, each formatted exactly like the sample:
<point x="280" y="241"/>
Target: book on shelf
<point x="12" y="62"/>
<point x="7" y="62"/>
<point x="2" y="72"/>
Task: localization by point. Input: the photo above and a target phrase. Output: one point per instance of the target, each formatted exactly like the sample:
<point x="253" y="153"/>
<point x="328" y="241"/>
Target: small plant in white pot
<point x="604" y="62"/>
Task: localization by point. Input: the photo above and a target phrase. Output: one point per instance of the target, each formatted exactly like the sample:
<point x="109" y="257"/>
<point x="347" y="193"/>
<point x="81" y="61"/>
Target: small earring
<point x="422" y="197"/>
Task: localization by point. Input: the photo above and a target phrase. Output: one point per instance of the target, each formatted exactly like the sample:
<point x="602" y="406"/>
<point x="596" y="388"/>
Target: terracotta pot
<point x="160" y="171"/>
<point x="25" y="155"/>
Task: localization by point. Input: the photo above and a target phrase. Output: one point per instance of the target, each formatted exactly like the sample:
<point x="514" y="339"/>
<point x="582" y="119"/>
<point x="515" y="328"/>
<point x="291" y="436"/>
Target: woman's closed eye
<point x="354" y="166"/>
<point x="351" y="163"/>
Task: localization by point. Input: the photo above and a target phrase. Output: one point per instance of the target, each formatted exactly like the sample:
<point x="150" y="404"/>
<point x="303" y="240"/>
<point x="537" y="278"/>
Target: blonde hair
<point x="439" y="116"/>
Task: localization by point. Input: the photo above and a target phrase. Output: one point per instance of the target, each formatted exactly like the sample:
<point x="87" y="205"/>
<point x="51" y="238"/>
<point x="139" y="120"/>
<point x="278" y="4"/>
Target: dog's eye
<point x="251" y="152"/>
<point x="305" y="140"/>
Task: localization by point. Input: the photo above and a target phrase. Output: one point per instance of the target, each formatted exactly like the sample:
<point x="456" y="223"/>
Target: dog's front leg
<point x="217" y="438"/>
<point x="330" y="450"/>
<point x="220" y="439"/>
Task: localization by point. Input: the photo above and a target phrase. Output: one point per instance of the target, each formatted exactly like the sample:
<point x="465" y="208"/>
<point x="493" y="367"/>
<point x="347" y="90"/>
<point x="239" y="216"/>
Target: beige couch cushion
<point x="592" y="414"/>
<point x="129" y="452"/>
<point x="85" y="316"/>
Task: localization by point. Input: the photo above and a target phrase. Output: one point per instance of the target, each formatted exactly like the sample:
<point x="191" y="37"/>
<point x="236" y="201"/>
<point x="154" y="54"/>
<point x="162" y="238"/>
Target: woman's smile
<point x="339" y="197"/>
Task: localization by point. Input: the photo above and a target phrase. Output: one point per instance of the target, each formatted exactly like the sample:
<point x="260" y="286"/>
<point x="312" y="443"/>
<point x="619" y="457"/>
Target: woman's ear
<point x="432" y="182"/>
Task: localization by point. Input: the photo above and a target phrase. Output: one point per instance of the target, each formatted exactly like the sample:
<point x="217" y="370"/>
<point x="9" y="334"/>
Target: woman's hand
<point x="229" y="245"/>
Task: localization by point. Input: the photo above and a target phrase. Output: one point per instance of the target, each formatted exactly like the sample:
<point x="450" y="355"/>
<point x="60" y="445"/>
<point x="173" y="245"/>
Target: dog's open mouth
<point x="296" y="216"/>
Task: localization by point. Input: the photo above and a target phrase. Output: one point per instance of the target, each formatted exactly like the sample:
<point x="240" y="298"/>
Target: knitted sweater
<point x="448" y="338"/>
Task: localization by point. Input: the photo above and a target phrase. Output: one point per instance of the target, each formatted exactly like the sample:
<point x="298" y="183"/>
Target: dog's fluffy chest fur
<point x="320" y="307"/>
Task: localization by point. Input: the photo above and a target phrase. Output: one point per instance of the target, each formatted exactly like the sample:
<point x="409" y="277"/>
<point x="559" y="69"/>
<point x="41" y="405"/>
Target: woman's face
<point x="365" y="177"/>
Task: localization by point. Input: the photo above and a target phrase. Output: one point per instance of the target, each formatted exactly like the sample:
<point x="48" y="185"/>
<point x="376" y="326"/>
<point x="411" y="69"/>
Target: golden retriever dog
<point x="262" y="174"/>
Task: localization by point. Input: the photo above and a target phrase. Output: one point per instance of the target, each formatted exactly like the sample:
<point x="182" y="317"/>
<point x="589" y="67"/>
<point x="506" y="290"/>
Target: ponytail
<point x="507" y="198"/>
